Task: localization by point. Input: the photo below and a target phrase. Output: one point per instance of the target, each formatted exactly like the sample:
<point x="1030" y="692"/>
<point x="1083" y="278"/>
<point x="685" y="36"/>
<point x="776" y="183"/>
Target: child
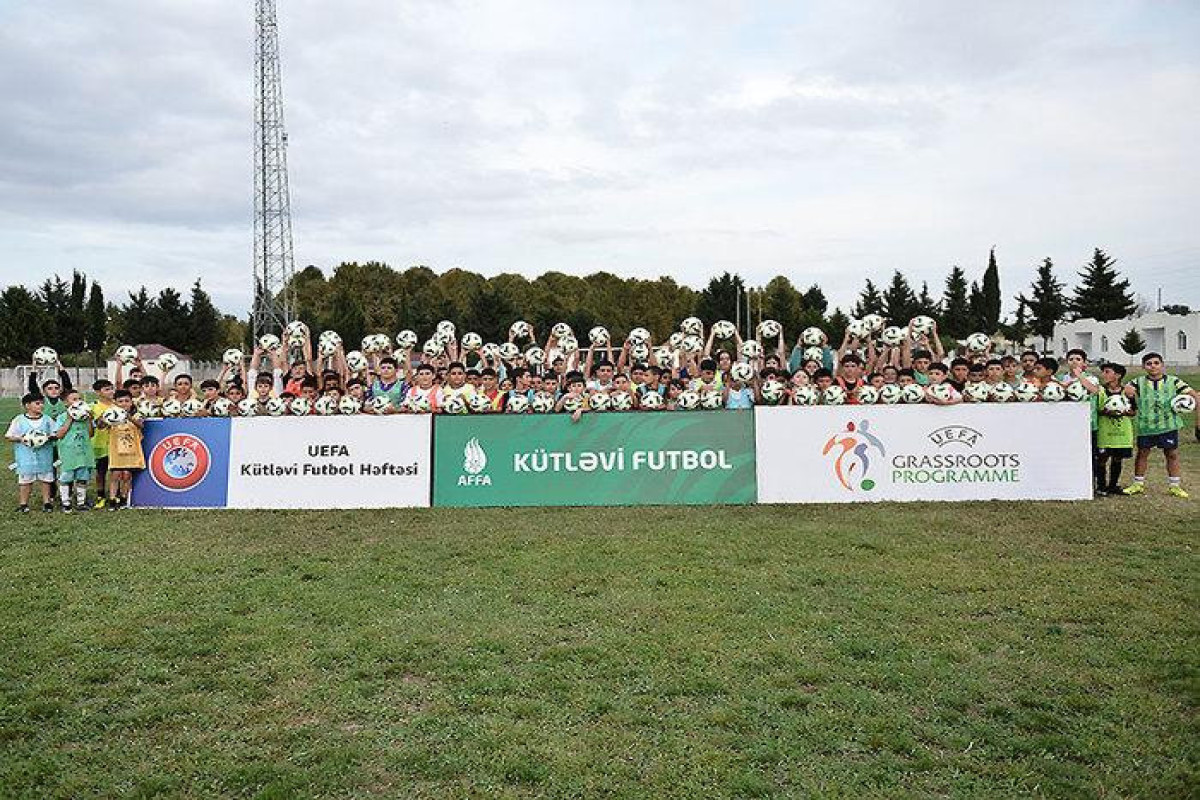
<point x="104" y="390"/>
<point x="124" y="451"/>
<point x="34" y="464"/>
<point x="75" y="458"/>
<point x="738" y="395"/>
<point x="1157" y="422"/>
<point x="1114" y="433"/>
<point x="939" y="375"/>
<point x="210" y="390"/>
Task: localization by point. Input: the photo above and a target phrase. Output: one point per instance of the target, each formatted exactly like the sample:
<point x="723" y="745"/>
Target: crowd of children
<point x="452" y="375"/>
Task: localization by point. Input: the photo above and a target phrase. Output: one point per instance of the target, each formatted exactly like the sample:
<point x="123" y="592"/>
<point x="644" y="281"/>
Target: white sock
<point x="81" y="493"/>
<point x="64" y="492"/>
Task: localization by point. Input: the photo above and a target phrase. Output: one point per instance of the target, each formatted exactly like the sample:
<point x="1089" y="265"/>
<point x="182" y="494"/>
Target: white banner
<point x="852" y="454"/>
<point x="330" y="462"/>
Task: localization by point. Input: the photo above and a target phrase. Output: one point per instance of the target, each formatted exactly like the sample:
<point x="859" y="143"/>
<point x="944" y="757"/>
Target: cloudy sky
<point x="827" y="141"/>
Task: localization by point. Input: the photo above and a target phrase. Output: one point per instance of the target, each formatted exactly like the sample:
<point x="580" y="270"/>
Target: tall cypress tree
<point x="990" y="296"/>
<point x="1047" y="303"/>
<point x="1102" y="294"/>
<point x="899" y="301"/>
<point x="956" y="308"/>
<point x="97" y="319"/>
<point x="204" y="333"/>
<point x="870" y="301"/>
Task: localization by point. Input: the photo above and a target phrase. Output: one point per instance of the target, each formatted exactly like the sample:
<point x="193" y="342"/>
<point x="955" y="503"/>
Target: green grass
<point x="975" y="649"/>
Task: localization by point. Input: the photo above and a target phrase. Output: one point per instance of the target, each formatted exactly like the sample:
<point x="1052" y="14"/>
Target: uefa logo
<point x="179" y="462"/>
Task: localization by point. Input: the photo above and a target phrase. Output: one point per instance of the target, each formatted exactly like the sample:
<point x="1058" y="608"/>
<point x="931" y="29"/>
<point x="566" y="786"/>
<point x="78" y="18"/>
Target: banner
<point x="698" y="457"/>
<point x="330" y="462"/>
<point x="187" y="464"/>
<point x="851" y="454"/>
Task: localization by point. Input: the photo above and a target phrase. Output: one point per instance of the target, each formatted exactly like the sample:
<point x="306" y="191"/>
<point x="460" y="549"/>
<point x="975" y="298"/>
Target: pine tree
<point x="870" y="301"/>
<point x="204" y="334"/>
<point x="899" y="302"/>
<point x="1132" y="342"/>
<point x="719" y="300"/>
<point x="956" y="309"/>
<point x="25" y="325"/>
<point x="346" y="316"/>
<point x="491" y="313"/>
<point x="783" y="303"/>
<point x="835" y="326"/>
<point x="136" y="324"/>
<point x="1047" y="304"/>
<point x="926" y="304"/>
<point x="990" y="296"/>
<point x="1102" y="294"/>
<point x="814" y="300"/>
<point x="976" y="308"/>
<point x="97" y="319"/>
<point x="168" y="320"/>
<point x="56" y="299"/>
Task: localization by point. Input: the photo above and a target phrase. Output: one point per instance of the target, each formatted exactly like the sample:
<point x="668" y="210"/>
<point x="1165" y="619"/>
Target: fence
<point x="14" y="381"/>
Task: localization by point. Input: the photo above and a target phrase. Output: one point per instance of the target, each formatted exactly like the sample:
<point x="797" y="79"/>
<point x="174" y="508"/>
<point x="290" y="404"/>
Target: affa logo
<point x="179" y="462"/>
<point x="853" y="463"/>
<point x="474" y="463"/>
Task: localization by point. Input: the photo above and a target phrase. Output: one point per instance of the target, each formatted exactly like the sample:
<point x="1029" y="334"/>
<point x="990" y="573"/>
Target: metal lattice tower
<point x="274" y="302"/>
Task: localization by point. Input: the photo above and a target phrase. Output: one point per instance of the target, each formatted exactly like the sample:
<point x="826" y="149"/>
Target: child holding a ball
<point x="1159" y="398"/>
<point x="32" y="435"/>
<point x="75" y="458"/>
<point x="124" y="450"/>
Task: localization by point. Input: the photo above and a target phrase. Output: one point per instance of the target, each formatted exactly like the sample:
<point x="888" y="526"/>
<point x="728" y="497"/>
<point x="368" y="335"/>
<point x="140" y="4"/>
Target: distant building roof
<point x="148" y="352"/>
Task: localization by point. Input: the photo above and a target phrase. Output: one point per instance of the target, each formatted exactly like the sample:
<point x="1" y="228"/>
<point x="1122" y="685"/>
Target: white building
<point x="1175" y="336"/>
<point x="149" y="354"/>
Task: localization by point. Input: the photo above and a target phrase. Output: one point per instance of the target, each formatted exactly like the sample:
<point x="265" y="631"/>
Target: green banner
<point x="697" y="457"/>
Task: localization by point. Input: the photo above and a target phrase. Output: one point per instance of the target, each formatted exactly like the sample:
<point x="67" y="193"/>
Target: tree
<point x="975" y="305"/>
<point x="782" y="302"/>
<point x="1175" y="308"/>
<point x="1132" y="342"/>
<point x="870" y="301"/>
<point x="346" y="316"/>
<point x="956" y="308"/>
<point x="814" y="300"/>
<point x="719" y="300"/>
<point x="926" y="304"/>
<point x="97" y="320"/>
<point x="835" y="326"/>
<point x="136" y="326"/>
<point x="490" y="314"/>
<point x="205" y="337"/>
<point x="55" y="296"/>
<point x="1102" y="294"/>
<point x="989" y="306"/>
<point x="168" y="320"/>
<point x="25" y="325"/>
<point x="1048" y="302"/>
<point x="900" y="304"/>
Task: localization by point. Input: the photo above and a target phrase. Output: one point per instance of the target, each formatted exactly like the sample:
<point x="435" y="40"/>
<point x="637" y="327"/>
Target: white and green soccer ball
<point x="247" y="407"/>
<point x="446" y="329"/>
<point x="35" y="439"/>
<point x="651" y="401"/>
<point x="148" y="409"/>
<point x="300" y="407"/>
<point x="568" y="344"/>
<point x="874" y="322"/>
<point x="517" y="404"/>
<point x="912" y="393"/>
<point x="675" y="340"/>
<point x="509" y="352"/>
<point x="1002" y="392"/>
<point x="769" y="329"/>
<point x="356" y="362"/>
<point x="977" y="392"/>
<point x="406" y="339"/>
<point x="978" y="342"/>
<point x="126" y="354"/>
<point x="1053" y="392"/>
<point x="621" y="401"/>
<point x="295" y="329"/>
<point x="599" y="336"/>
<point x="233" y="357"/>
<point x="890" y="393"/>
<point x="663" y="356"/>
<point x="858" y="329"/>
<point x="192" y="407"/>
<point x="433" y="348"/>
<point x="816" y="354"/>
<point x="479" y="403"/>
<point x="79" y="410"/>
<point x="711" y="400"/>
<point x="418" y="404"/>
<point x="892" y="336"/>
<point x="867" y="395"/>
<point x="45" y="357"/>
<point x="599" y="401"/>
<point x="380" y="404"/>
<point x="639" y="336"/>
<point x="688" y="400"/>
<point x="751" y="349"/>
<point x="114" y="415"/>
<point x="269" y="342"/>
<point x="221" y="407"/>
<point x="640" y="351"/>
<point x="773" y="390"/>
<point x="472" y="341"/>
<point x="922" y="325"/>
<point x="561" y="330"/>
<point x="535" y="356"/>
<point x="1077" y="391"/>
<point x="692" y="344"/>
<point x="833" y="396"/>
<point x="724" y="329"/>
<point x="1026" y="392"/>
<point x="802" y="395"/>
<point x="332" y="337"/>
<point x="543" y="403"/>
<point x="941" y="391"/>
<point x="692" y="326"/>
<point x="276" y="407"/>
<point x="520" y="329"/>
<point x="1118" y="404"/>
<point x="572" y="403"/>
<point x="349" y="405"/>
<point x="1184" y="403"/>
<point x="167" y="362"/>
<point x="813" y="337"/>
<point x="491" y="351"/>
<point x="171" y="407"/>
<point x="741" y="372"/>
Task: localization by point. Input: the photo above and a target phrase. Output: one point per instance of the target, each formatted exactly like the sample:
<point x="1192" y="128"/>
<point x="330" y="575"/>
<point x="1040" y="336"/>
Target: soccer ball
<point x="892" y="336"/>
<point x="769" y="329"/>
<point x="148" y="408"/>
<point x="1077" y="391"/>
<point x="171" y="407"/>
<point x="247" y="407"/>
<point x="1001" y="392"/>
<point x="1053" y="392"/>
<point x="517" y="404"/>
<point x="535" y="356"/>
<point x="114" y="415"/>
<point x="301" y="407"/>
<point x="816" y="354"/>
<point x="418" y="404"/>
<point x="543" y="403"/>
<point x="192" y="407"/>
<point x="712" y="400"/>
<point x="598" y="336"/>
<point x="772" y="390"/>
<point x="663" y="356"/>
<point x="561" y="330"/>
<point x="520" y="329"/>
<point x="232" y="357"/>
<point x="977" y="392"/>
<point x="79" y="410"/>
<point x="833" y="396"/>
<point x="858" y="329"/>
<point x="640" y="351"/>
<point x="406" y="339"/>
<point x="639" y="336"/>
<point x="326" y="348"/>
<point x="326" y="405"/>
<point x="912" y="393"/>
<point x="221" y="407"/>
<point x="377" y="343"/>
<point x="741" y="372"/>
<point x="572" y="403"/>
<point x="1118" y="404"/>
<point x="295" y="329"/>
<point x="166" y="362"/>
<point x="349" y="405"/>
<point x="978" y="342"/>
<point x="446" y="329"/>
<point x="35" y="439"/>
<point x="751" y="349"/>
<point x="479" y="403"/>
<point x="874" y="322"/>
<point x="356" y="361"/>
<point x="127" y="354"/>
<point x="621" y="401"/>
<point x="867" y="394"/>
<point x="724" y="329"/>
<point x="45" y="357"/>
<point x="599" y="401"/>
<point x="379" y="404"/>
<point x="890" y="393"/>
<point x="813" y="337"/>
<point x="941" y="391"/>
<point x="688" y="400"/>
<point x="921" y="325"/>
<point x="692" y="344"/>
<point x="330" y="336"/>
<point x="1183" y="403"/>
<point x="276" y="407"/>
<point x="1026" y="392"/>
<point x="490" y="351"/>
<point x="472" y="342"/>
<point x="692" y="326"/>
<point x="269" y="342"/>
<point x="802" y="395"/>
<point x="651" y="401"/>
<point x="675" y="340"/>
<point x="454" y="404"/>
<point x="509" y="351"/>
<point x="568" y="344"/>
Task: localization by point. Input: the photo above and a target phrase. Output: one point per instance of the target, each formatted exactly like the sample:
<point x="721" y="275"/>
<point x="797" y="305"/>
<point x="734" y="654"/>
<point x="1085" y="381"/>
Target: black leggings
<point x="1114" y="470"/>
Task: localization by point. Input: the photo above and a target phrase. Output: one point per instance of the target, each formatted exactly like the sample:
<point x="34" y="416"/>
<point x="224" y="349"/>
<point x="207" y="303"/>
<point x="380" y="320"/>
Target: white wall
<point x="1176" y="336"/>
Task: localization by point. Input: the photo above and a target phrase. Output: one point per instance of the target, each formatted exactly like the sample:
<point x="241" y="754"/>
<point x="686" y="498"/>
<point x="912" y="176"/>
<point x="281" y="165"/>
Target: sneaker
<point x="1135" y="488"/>
<point x="1177" y="491"/>
<point x="47" y="507"/>
<point x="22" y="509"/>
<point x="84" y="506"/>
<point x="1101" y="492"/>
<point x="1115" y="491"/>
<point x="100" y="503"/>
<point x="67" y="509"/>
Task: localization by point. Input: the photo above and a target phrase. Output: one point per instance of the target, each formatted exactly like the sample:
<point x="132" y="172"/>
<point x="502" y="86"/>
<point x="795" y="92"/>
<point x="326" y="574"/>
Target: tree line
<point x="74" y="317"/>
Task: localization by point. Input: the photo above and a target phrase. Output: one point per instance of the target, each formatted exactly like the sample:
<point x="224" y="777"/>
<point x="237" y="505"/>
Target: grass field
<point x="976" y="649"/>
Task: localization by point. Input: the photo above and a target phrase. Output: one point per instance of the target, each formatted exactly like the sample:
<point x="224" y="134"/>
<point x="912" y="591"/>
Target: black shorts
<point x="102" y="466"/>
<point x="1163" y="441"/>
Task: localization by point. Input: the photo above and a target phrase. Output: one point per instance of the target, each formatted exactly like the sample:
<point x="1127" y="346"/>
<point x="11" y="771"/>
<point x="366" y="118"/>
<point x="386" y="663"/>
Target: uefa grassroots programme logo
<point x="853" y="447"/>
<point x="179" y="462"/>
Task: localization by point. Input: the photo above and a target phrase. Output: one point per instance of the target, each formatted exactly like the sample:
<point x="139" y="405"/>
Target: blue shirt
<point x="30" y="460"/>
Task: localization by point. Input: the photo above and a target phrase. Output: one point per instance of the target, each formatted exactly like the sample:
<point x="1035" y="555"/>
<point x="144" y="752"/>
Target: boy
<point x="75" y="458"/>
<point x="1157" y="422"/>
<point x="124" y="451"/>
<point x="423" y="387"/>
<point x="388" y="383"/>
<point x="939" y="375"/>
<point x="34" y="464"/>
<point x="1114" y="433"/>
<point x="851" y="367"/>
<point x="104" y="390"/>
<point x="456" y="383"/>
<point x="708" y="380"/>
<point x="210" y="390"/>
